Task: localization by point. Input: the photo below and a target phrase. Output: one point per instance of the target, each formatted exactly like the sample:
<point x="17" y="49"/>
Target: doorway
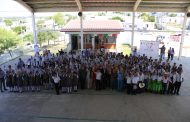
<point x="97" y="42"/>
<point x="74" y="42"/>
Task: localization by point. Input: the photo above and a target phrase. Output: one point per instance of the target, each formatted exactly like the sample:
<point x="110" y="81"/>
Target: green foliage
<point x="41" y="37"/>
<point x="147" y="18"/>
<point x="8" y="39"/>
<point x="59" y="19"/>
<point x="121" y="13"/>
<point x="69" y="18"/>
<point x="117" y="18"/>
<point x="45" y="36"/>
<point x="173" y="15"/>
<point x="101" y="14"/>
<point x="40" y="24"/>
<point x="19" y="29"/>
<point x="28" y="38"/>
<point x="8" y="22"/>
<point x="151" y="18"/>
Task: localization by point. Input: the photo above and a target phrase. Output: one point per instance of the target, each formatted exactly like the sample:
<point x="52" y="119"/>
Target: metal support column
<point x="133" y="29"/>
<point x="183" y="35"/>
<point x="34" y="29"/>
<point x="81" y="33"/>
<point x="93" y="42"/>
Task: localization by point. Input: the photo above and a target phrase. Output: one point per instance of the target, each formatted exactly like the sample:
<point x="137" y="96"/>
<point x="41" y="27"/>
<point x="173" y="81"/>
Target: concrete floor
<point x="92" y="106"/>
<point x="97" y="106"/>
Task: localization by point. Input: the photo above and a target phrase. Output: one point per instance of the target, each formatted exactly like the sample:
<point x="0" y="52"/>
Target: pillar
<point x="133" y="29"/>
<point x="81" y="33"/>
<point x="34" y="29"/>
<point x="183" y="35"/>
<point x="93" y="42"/>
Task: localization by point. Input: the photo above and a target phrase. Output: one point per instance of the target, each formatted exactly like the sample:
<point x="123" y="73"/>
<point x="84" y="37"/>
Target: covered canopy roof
<point x="105" y="5"/>
<point x="94" y="26"/>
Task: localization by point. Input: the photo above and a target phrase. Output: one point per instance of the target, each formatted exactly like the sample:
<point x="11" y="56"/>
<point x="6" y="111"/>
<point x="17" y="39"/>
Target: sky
<point x="10" y="8"/>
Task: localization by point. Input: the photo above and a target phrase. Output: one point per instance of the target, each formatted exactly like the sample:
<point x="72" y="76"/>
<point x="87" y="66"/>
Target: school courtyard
<point x="97" y="106"/>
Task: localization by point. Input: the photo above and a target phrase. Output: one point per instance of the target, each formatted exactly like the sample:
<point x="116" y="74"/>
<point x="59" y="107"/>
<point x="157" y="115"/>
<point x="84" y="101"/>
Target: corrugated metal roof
<point x="94" y="26"/>
<point x="106" y="5"/>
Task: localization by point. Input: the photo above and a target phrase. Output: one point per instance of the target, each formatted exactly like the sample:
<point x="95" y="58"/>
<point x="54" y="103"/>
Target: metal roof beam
<point x="47" y="1"/>
<point x="136" y="5"/>
<point x="166" y="1"/>
<point x="160" y="9"/>
<point x="79" y="5"/>
<point x="25" y="5"/>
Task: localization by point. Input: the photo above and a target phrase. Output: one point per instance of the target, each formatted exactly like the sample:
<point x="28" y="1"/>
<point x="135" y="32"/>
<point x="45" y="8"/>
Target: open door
<point x="74" y="42"/>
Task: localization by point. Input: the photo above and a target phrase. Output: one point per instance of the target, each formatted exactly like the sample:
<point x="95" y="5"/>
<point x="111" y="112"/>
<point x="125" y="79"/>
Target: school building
<point x="96" y="34"/>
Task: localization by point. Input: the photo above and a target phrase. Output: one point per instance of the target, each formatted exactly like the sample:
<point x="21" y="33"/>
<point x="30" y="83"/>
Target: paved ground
<point x="101" y="106"/>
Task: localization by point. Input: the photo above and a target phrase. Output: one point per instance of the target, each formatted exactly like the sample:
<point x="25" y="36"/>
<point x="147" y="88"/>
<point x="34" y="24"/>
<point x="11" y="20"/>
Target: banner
<point x="149" y="48"/>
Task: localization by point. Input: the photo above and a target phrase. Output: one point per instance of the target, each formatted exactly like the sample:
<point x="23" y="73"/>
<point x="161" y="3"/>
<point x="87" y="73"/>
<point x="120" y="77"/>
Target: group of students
<point x="90" y="69"/>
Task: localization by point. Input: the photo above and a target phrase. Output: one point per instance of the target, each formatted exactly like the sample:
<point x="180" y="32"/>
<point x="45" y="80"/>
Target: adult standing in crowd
<point x="162" y="52"/>
<point x="172" y="53"/>
<point x="179" y="80"/>
<point x="169" y="53"/>
<point x="2" y="80"/>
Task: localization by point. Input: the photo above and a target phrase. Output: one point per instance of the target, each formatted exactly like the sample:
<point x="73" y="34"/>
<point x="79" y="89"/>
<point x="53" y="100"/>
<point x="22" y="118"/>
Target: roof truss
<point x="105" y="5"/>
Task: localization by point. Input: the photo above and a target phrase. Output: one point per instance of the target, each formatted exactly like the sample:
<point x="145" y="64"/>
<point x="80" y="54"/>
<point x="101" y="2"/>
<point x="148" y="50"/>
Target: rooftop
<point x="94" y="26"/>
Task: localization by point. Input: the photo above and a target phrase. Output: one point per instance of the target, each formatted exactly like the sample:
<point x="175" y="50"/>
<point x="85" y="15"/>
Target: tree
<point x="51" y="35"/>
<point x="8" y="22"/>
<point x="147" y="18"/>
<point x="28" y="38"/>
<point x="45" y="36"/>
<point x="144" y="16"/>
<point x="41" y="37"/>
<point x="173" y="15"/>
<point x="151" y="18"/>
<point x="69" y="18"/>
<point x="117" y="18"/>
<point x="101" y="14"/>
<point x="19" y="29"/>
<point x="58" y="19"/>
<point x="8" y="39"/>
<point x="40" y="24"/>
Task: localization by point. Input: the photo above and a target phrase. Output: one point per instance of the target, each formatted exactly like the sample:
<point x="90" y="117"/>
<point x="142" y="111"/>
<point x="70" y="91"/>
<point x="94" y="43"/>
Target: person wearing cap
<point x="2" y="80"/>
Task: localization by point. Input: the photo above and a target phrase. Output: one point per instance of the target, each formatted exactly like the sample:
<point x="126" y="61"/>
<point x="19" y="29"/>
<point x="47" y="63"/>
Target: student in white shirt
<point x="56" y="80"/>
<point x="129" y="83"/>
<point x="98" y="80"/>
<point x="135" y="80"/>
<point x="179" y="80"/>
<point x="141" y="82"/>
<point x="165" y="80"/>
<point x="172" y="82"/>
